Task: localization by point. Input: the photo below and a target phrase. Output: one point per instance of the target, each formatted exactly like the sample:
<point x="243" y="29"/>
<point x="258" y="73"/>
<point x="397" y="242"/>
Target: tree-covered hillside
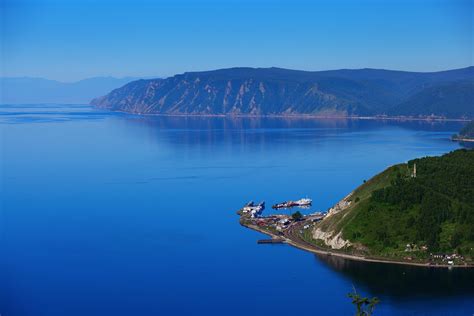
<point x="432" y="212"/>
<point x="455" y="99"/>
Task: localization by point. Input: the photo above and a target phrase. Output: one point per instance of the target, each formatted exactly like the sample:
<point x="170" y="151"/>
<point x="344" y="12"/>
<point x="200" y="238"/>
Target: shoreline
<point x="299" y="116"/>
<point x="456" y="139"/>
<point x="327" y="252"/>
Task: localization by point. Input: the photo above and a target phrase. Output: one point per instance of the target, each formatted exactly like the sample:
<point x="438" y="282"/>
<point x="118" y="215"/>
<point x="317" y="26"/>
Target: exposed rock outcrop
<point x="331" y="239"/>
<point x="340" y="206"/>
<point x="276" y="91"/>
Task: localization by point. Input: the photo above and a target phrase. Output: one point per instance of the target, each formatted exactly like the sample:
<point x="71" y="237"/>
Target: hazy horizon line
<point x="216" y="69"/>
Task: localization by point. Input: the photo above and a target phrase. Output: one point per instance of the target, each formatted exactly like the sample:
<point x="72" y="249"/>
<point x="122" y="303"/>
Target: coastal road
<point x="293" y="234"/>
<point x="293" y="237"/>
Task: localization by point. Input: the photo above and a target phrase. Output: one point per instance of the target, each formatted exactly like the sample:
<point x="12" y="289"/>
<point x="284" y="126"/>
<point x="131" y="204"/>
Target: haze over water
<point x="114" y="214"/>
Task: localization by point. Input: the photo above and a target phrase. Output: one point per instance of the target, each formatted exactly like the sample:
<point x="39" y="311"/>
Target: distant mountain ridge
<point x="17" y="90"/>
<point x="277" y="91"/>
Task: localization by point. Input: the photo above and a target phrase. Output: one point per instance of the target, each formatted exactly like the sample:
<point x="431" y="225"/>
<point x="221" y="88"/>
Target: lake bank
<point x="294" y="240"/>
<point x="301" y="116"/>
<point x="457" y="139"/>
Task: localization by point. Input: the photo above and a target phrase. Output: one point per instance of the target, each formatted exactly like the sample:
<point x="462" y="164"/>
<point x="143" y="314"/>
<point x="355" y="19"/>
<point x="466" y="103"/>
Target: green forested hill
<point x="433" y="211"/>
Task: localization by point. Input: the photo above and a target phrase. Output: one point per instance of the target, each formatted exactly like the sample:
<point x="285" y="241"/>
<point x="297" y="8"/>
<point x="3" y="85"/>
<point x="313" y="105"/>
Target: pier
<point x="271" y="241"/>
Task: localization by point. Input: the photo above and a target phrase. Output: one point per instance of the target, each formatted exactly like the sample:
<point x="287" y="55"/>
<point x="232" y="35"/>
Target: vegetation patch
<point x="414" y="210"/>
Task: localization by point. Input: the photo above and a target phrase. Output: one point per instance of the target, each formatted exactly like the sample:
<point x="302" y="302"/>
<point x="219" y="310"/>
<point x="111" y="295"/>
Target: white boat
<point x="304" y="202"/>
<point x="254" y="210"/>
<point x="290" y="204"/>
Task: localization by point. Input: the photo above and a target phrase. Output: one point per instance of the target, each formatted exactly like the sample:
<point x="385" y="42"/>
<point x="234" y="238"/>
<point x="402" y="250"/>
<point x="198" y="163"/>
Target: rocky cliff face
<point x="274" y="91"/>
<point x="331" y="239"/>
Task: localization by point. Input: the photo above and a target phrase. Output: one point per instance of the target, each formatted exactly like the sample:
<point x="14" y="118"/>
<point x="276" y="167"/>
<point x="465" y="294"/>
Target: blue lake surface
<point x="113" y="214"/>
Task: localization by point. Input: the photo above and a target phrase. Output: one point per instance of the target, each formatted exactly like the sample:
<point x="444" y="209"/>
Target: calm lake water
<point x="113" y="214"/>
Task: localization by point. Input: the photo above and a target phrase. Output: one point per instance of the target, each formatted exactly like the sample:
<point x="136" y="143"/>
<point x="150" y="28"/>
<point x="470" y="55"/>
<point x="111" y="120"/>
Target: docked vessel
<point x="289" y="204"/>
<point x="254" y="210"/>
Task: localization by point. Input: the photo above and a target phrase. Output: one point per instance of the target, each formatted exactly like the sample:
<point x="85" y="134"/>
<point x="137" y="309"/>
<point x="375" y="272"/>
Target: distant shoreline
<point x="458" y="139"/>
<point x="302" y="116"/>
<point x="328" y="252"/>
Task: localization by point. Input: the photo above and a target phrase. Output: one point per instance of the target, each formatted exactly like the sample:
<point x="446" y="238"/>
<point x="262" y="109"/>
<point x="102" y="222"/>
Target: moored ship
<point x="252" y="209"/>
<point x="290" y="204"/>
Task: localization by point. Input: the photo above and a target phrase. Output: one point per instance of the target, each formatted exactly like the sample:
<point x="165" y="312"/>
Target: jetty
<point x="271" y="241"/>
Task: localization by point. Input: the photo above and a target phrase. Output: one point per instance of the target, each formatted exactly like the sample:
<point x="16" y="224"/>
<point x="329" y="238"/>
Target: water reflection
<point x="280" y="132"/>
<point x="203" y="122"/>
<point x="403" y="282"/>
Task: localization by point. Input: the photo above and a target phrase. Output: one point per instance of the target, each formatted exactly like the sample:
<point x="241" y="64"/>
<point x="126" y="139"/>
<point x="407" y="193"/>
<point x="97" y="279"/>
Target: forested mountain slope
<point x="276" y="91"/>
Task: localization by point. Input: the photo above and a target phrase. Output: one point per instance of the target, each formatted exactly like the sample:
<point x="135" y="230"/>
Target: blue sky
<point x="70" y="39"/>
